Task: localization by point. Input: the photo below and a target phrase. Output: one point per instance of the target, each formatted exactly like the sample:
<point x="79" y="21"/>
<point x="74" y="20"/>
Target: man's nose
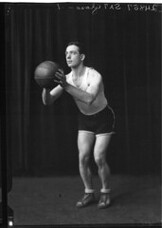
<point x="68" y="56"/>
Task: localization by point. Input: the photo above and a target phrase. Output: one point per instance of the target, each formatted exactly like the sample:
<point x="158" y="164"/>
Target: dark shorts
<point x="102" y="122"/>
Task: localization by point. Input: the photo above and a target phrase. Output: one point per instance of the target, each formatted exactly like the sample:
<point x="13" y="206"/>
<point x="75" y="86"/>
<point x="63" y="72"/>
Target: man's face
<point x="73" y="57"/>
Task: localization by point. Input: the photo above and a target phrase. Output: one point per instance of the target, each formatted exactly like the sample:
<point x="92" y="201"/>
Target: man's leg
<point x="85" y="145"/>
<point x="100" y="149"/>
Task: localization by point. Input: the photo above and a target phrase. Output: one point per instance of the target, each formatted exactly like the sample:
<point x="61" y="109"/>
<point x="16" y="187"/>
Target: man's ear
<point x="82" y="57"/>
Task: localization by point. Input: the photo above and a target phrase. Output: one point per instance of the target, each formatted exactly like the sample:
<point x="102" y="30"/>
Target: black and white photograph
<point x="81" y="114"/>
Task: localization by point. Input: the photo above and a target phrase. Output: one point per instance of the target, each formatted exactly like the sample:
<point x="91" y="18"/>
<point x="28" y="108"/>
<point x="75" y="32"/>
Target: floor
<point x="51" y="200"/>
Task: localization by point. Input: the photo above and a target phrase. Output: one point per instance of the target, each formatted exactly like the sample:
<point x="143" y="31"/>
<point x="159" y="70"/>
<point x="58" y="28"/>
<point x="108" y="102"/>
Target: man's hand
<point x="60" y="78"/>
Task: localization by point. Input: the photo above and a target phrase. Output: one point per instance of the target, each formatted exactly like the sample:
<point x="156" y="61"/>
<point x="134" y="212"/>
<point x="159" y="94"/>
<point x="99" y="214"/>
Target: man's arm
<point x="87" y="96"/>
<point x="49" y="96"/>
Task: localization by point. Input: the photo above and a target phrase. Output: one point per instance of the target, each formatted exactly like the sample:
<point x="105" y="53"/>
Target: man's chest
<point x="81" y="82"/>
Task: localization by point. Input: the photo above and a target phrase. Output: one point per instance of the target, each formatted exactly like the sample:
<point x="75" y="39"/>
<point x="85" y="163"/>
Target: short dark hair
<point x="79" y="45"/>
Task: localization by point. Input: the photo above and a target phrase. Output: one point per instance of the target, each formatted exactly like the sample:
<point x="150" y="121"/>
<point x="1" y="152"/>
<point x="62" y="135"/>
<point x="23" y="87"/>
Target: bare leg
<point x="85" y="145"/>
<point x="100" y="149"/>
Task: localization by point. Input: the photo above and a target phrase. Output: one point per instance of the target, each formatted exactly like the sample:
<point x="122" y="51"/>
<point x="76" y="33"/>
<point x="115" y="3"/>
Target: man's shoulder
<point x="92" y="71"/>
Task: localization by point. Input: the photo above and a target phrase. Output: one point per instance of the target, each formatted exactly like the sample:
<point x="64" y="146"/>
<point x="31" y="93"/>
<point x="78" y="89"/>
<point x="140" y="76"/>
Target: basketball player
<point x="95" y="120"/>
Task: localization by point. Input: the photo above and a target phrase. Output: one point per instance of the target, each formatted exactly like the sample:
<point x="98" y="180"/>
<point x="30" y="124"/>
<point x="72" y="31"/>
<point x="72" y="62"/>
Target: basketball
<point x="45" y="73"/>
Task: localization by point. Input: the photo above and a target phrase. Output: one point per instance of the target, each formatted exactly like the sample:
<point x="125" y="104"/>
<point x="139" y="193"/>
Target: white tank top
<point x="98" y="104"/>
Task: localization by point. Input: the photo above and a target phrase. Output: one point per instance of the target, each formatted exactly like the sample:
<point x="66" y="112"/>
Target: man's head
<point x="74" y="54"/>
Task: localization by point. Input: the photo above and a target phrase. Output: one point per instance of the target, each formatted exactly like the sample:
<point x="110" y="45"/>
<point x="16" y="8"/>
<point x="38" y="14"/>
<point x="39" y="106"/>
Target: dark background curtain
<point x="123" y="44"/>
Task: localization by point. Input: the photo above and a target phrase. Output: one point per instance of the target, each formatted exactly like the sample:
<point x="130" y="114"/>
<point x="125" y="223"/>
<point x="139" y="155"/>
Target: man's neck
<point x="78" y="71"/>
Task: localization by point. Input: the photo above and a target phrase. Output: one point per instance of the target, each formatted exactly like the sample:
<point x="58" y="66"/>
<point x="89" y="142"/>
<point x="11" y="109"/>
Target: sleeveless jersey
<point x="100" y="101"/>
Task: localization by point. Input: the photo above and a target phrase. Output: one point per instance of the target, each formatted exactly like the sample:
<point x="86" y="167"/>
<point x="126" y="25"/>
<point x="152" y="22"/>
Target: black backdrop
<point x="123" y="42"/>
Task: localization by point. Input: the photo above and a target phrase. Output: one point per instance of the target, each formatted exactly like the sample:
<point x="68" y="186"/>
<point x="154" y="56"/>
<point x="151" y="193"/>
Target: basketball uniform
<point x="97" y="118"/>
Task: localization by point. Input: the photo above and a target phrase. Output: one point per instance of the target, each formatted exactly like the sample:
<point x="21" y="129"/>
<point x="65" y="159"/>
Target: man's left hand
<point x="60" y="78"/>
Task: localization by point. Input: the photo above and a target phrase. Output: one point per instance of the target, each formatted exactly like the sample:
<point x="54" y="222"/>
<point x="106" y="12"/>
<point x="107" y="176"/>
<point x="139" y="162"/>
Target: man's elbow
<point x="90" y="100"/>
<point x="47" y="102"/>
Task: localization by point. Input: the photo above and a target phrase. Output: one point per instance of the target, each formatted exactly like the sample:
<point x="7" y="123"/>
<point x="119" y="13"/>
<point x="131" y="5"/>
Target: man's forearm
<point x="79" y="94"/>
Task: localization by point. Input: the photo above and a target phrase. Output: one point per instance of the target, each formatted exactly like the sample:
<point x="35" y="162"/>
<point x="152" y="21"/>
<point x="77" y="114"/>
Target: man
<point x="95" y="119"/>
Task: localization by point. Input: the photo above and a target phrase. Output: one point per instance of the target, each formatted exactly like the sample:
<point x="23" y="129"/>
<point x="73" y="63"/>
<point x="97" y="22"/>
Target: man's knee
<point x="100" y="160"/>
<point x="83" y="158"/>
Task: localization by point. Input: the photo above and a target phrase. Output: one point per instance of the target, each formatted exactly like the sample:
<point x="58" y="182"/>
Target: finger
<point x="58" y="72"/>
<point x="58" y="75"/>
<point x="59" y="82"/>
<point x="61" y="71"/>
